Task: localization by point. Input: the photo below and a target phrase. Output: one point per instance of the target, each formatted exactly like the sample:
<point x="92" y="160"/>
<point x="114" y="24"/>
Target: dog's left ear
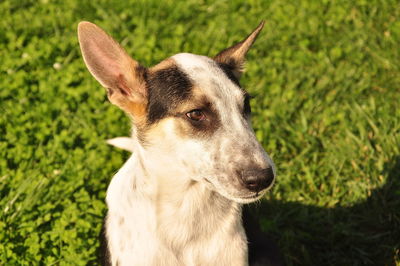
<point x="234" y="57"/>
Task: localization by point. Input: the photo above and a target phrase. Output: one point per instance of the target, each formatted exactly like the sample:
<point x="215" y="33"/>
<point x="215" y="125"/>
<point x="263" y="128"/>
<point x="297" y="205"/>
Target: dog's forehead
<point x="209" y="76"/>
<point x="185" y="77"/>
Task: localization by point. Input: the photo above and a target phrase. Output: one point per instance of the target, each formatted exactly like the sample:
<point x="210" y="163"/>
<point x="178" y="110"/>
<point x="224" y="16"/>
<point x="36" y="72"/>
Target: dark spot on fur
<point x="141" y="72"/>
<point x="166" y="89"/>
<point x="228" y="70"/>
<point x="121" y="220"/>
<point x="246" y="106"/>
<point x="104" y="253"/>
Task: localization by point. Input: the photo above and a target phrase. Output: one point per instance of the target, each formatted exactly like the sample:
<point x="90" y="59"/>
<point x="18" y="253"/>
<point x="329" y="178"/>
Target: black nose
<point x="257" y="179"/>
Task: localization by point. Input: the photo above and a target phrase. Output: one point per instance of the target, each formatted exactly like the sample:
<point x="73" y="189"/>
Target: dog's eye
<point x="196" y="115"/>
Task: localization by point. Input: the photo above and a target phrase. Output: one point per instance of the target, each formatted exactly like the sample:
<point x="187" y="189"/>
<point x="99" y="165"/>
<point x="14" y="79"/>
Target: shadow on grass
<point x="367" y="233"/>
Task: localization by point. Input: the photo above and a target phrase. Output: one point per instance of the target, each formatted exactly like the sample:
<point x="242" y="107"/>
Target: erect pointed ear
<point x="108" y="62"/>
<point x="234" y="57"/>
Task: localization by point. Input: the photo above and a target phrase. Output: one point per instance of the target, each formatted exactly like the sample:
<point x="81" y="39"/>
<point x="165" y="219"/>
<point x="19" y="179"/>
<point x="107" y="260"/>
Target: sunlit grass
<point x="326" y="81"/>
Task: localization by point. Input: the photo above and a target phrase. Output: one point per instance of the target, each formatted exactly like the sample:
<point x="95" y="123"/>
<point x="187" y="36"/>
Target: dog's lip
<point x="247" y="199"/>
<point x="253" y="196"/>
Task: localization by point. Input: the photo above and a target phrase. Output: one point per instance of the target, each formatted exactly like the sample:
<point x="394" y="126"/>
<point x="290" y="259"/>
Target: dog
<point x="195" y="159"/>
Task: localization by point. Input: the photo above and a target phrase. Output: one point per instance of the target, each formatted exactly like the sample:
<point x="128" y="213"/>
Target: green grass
<point x="326" y="76"/>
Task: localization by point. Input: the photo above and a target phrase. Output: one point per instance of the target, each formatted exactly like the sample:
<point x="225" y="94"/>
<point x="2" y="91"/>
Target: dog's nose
<point x="257" y="179"/>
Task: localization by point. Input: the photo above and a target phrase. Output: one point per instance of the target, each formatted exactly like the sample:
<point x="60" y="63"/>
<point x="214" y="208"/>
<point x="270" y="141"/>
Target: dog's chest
<point x="196" y="227"/>
<point x="206" y="233"/>
<point x="177" y="246"/>
<point x="194" y="215"/>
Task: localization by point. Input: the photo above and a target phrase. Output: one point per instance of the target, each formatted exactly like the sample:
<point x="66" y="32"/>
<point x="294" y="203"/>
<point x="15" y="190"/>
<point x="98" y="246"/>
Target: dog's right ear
<point x="124" y="143"/>
<point x="108" y="62"/>
<point x="234" y="56"/>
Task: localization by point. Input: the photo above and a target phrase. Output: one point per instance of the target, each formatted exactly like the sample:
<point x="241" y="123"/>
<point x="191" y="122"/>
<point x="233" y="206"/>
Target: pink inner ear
<point x="103" y="66"/>
<point x="109" y="63"/>
<point x="122" y="86"/>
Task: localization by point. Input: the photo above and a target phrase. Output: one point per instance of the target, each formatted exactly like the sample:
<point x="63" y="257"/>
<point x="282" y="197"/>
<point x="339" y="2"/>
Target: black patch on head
<point x="228" y="70"/>
<point x="166" y="89"/>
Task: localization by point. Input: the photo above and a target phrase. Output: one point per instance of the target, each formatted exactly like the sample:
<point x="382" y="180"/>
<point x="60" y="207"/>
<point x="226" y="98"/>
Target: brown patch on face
<point x="150" y="134"/>
<point x="158" y="82"/>
<point x="137" y="112"/>
<point x="167" y="88"/>
<point x="187" y="127"/>
<point x="122" y="95"/>
<point x="194" y="101"/>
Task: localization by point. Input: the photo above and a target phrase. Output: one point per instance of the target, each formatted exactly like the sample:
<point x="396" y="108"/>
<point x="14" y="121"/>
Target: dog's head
<point x="190" y="114"/>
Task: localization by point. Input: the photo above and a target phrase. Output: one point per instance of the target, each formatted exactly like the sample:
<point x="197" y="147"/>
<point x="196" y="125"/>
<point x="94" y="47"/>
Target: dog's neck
<point x="162" y="183"/>
<point x="166" y="210"/>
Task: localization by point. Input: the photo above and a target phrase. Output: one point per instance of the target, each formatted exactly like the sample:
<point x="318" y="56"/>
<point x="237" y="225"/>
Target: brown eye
<point x="196" y="115"/>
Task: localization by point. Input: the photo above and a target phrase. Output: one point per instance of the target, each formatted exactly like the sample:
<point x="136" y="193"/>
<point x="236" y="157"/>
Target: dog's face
<point x="190" y="114"/>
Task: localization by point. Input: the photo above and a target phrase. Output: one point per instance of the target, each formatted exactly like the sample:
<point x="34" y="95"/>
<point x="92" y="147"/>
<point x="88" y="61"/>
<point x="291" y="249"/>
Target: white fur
<point x="170" y="223"/>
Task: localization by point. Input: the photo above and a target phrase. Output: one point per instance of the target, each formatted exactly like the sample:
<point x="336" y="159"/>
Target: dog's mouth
<point x="250" y="198"/>
<point x="242" y="198"/>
